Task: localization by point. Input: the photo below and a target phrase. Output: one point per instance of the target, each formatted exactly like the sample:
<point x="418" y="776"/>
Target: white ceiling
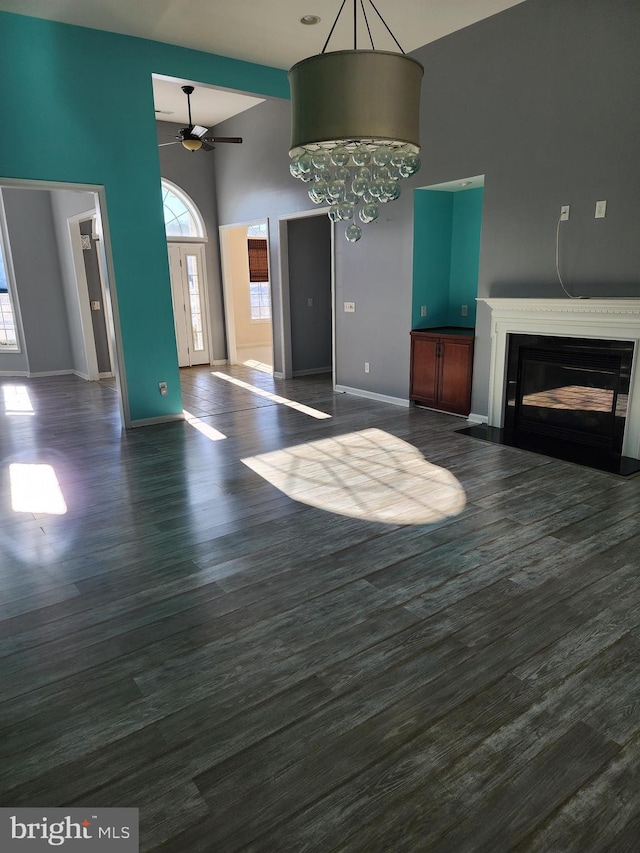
<point x="209" y="106"/>
<point x="265" y="32"/>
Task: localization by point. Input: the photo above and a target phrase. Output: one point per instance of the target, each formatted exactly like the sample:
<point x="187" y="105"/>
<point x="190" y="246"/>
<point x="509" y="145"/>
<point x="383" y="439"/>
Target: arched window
<point x="181" y="217"/>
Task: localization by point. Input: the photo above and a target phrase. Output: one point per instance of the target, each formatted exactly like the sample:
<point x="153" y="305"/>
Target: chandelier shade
<point x="349" y="96"/>
<point x="355" y="120"/>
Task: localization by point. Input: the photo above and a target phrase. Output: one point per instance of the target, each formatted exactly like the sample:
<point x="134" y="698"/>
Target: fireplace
<point x="563" y="380"/>
<point x="571" y="389"/>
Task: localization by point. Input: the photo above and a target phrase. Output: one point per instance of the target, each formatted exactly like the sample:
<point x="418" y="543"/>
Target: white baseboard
<point x="50" y="373"/>
<point x="82" y="375"/>
<point x="371" y="395"/>
<point x="312" y="371"/>
<point x="477" y="419"/>
<point x="278" y="374"/>
<point x="108" y="375"/>
<point x="162" y="419"/>
<point x="23" y="373"/>
<point x="216" y="362"/>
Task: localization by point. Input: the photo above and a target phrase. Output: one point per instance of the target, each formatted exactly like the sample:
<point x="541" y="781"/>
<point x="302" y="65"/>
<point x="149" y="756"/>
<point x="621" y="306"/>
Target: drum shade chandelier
<point x="355" y="124"/>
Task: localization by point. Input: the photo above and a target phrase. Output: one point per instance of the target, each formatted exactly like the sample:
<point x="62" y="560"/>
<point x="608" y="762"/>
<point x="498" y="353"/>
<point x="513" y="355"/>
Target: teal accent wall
<point x="446" y="253"/>
<point x="431" y="257"/>
<point x="77" y="107"/>
<point x="466" y="224"/>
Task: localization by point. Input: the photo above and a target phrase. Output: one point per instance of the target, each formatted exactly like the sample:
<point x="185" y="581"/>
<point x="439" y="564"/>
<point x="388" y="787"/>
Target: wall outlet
<point x="162" y="388"/>
<point x="423" y="310"/>
<point x="463" y="311"/>
<point x="310" y="302"/>
<point x="366" y="367"/>
<point x="350" y="307"/>
<point x="564" y="212"/>
<point x="601" y="209"/>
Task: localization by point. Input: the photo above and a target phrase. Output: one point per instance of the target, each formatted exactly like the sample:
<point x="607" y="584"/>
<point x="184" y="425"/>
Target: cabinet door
<point x="424" y="370"/>
<point x="456" y="364"/>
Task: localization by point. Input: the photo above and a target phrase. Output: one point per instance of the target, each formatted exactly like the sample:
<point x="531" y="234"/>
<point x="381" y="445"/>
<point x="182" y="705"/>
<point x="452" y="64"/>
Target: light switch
<point x="95" y="305"/>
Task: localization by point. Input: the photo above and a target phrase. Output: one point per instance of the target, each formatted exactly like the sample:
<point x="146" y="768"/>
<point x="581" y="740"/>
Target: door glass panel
<point x="195" y="303"/>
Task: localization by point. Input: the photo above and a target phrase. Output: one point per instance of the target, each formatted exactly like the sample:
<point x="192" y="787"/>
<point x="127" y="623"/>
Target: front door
<point x="188" y="286"/>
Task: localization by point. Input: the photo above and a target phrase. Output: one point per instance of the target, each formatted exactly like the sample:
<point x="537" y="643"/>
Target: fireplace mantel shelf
<point x="563" y="306"/>
<point x="606" y="319"/>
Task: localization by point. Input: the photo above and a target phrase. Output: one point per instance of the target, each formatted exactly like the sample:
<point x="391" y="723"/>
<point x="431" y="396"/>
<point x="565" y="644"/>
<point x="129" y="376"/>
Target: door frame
<point x="285" y="300"/>
<point x="105" y="254"/>
<point x="199" y="245"/>
<point x="227" y="287"/>
<point x="84" y="303"/>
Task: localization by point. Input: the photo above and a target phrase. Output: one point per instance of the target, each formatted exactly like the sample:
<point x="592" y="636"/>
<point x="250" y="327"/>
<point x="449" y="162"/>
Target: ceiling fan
<point x="193" y="137"/>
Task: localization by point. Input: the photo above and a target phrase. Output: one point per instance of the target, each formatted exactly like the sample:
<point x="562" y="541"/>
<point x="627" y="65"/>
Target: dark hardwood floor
<point x="257" y="673"/>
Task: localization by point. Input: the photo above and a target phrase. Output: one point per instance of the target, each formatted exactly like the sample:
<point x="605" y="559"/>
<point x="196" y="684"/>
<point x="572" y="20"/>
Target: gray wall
<point x="253" y="182"/>
<point x="195" y="174"/>
<point x="38" y="280"/>
<point x="541" y="99"/>
<point x="309" y="241"/>
<point x="65" y="204"/>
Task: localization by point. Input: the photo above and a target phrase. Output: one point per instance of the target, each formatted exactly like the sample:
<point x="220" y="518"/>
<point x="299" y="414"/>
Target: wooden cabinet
<point x="441" y="369"/>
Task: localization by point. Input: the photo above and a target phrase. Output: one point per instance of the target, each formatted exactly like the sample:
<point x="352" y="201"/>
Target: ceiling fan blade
<point x="207" y="147"/>
<point x="162" y="144"/>
<point x="198" y="130"/>
<point x="222" y="139"/>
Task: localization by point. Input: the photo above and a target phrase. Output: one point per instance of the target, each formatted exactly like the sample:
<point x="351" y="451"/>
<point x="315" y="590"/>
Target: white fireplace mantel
<point x="606" y="319"/>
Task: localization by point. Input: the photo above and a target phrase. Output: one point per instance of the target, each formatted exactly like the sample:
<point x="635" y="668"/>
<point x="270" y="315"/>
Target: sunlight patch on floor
<point x="258" y="365"/>
<point x="275" y="398"/>
<point x="203" y="427"/>
<point x="17" y="400"/>
<point x="35" y="488"/>
<point x="368" y="474"/>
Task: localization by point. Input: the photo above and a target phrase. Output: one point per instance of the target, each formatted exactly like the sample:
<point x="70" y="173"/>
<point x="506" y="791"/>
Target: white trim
<point x="312" y="371"/>
<point x="285" y="303"/>
<point x="278" y="374"/>
<point x="228" y="287"/>
<point x="191" y="206"/>
<point x="22" y="373"/>
<point x="473" y="418"/>
<point x="82" y="292"/>
<point x="605" y="319"/>
<point x="106" y="375"/>
<point x="21" y="347"/>
<point x="217" y="361"/>
<point x="40" y="373"/>
<point x="81" y="375"/>
<point x="372" y="395"/>
<point x="161" y="419"/>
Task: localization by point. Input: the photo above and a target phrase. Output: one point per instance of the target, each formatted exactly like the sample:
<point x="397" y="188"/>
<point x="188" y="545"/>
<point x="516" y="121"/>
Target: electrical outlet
<point x="350" y="307"/>
<point x="564" y="212"/>
<point x="162" y="387"/>
<point x="463" y="311"/>
<point x="601" y="209"/>
<point x="310" y="302"/>
<point x="423" y="310"/>
<point x="366" y="367"/>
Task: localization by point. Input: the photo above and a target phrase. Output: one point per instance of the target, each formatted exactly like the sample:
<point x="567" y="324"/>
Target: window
<point x="8" y="334"/>
<point x="181" y="218"/>
<point x="259" y="286"/>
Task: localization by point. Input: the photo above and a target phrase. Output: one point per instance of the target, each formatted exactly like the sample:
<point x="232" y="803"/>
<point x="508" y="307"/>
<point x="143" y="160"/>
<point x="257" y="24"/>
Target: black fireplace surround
<point x="567" y="398"/>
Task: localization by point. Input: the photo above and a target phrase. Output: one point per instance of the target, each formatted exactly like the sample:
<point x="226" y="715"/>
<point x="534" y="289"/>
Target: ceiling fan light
<point x="192" y="144"/>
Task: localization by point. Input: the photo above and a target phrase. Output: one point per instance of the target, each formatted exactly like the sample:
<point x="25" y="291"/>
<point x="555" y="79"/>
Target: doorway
<point x="307" y="276"/>
<point x="189" y="295"/>
<point x="246" y="279"/>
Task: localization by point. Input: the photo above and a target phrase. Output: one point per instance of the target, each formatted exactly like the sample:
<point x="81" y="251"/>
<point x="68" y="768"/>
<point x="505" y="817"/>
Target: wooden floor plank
<point x="257" y="673"/>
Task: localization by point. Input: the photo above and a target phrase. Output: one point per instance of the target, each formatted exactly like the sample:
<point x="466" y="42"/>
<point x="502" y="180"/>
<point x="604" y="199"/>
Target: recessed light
<point x="309" y="20"/>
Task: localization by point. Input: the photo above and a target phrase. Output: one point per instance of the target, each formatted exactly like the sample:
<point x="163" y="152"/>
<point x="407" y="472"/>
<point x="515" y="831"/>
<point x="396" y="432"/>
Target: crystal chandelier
<point x="355" y="125"/>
